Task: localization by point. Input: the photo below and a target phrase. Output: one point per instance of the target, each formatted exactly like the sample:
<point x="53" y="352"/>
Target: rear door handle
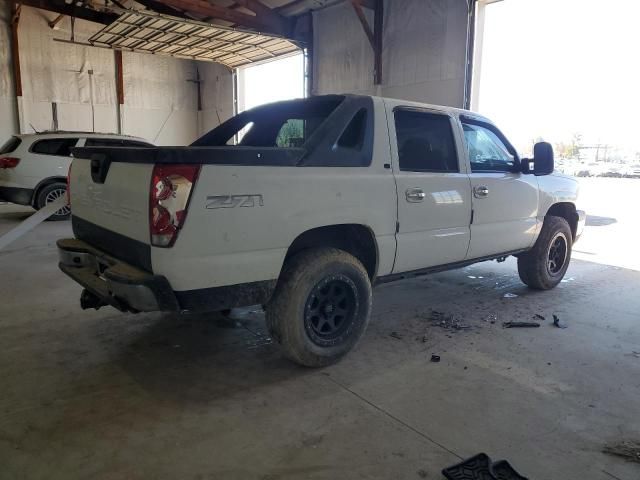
<point x="415" y="195"/>
<point x="480" y="191"/>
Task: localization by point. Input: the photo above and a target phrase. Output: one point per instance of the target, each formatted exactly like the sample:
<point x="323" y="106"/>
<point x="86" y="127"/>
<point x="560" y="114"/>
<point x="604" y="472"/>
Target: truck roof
<point x="442" y="108"/>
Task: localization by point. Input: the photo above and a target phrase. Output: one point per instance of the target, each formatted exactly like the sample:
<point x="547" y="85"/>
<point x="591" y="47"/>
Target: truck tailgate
<point x="119" y="204"/>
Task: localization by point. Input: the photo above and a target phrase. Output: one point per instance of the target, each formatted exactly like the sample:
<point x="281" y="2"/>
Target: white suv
<point x="33" y="168"/>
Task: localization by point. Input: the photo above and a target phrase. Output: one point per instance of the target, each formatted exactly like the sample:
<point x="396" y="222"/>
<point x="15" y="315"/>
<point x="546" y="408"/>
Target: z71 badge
<point x="232" y="201"/>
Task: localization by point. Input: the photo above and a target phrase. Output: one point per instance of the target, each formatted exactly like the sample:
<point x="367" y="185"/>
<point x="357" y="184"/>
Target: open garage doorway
<point x="565" y="72"/>
<point x="277" y="80"/>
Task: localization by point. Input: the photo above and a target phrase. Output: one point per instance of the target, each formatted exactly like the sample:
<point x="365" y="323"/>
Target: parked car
<point x="33" y="167"/>
<point x="631" y="171"/>
<point x="378" y="190"/>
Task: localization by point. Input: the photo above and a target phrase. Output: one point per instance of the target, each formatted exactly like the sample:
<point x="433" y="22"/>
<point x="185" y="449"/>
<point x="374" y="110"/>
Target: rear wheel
<point x="545" y="264"/>
<point x="321" y="306"/>
<point x="50" y="193"/>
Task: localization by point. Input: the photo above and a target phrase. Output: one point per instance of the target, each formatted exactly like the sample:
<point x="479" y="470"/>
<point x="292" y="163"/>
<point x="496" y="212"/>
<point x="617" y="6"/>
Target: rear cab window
<point x="425" y="142"/>
<point x="54" y="146"/>
<point x="282" y="125"/>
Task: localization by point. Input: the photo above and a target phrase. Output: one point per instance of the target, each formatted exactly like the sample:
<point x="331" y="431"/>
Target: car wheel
<point x="321" y="306"/>
<point x="50" y="193"/>
<point x="545" y="264"/>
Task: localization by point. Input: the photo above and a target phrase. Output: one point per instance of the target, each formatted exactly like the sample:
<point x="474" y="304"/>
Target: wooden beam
<point x="15" y="49"/>
<point x="160" y="7"/>
<point x="261" y="10"/>
<point x="59" y="6"/>
<point x="363" y="21"/>
<point x="119" y="77"/>
<point x="56" y="21"/>
<point x="378" y="25"/>
<point x="206" y="9"/>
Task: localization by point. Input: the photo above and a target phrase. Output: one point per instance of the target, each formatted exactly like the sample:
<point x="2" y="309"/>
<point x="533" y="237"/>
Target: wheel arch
<point x="44" y="183"/>
<point x="566" y="210"/>
<point x="356" y="239"/>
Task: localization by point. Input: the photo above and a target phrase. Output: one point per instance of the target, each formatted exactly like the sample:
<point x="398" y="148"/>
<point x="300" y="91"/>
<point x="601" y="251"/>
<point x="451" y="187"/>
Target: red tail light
<point x="171" y="187"/>
<point x="9" y="162"/>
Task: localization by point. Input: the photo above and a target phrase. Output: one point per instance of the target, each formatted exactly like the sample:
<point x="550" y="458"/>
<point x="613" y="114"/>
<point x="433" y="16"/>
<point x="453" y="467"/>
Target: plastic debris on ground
<point x="480" y="467"/>
<point x="510" y="295"/>
<point x="448" y="322"/>
<point x="558" y="323"/>
<point x="520" y="325"/>
<point x="435" y="358"/>
<point x="629" y="450"/>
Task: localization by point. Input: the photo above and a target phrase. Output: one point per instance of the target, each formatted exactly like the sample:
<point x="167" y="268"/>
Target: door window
<point x="425" y="142"/>
<point x="487" y="152"/>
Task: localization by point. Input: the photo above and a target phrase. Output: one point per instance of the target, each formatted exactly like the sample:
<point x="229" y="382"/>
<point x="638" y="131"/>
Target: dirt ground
<point x="103" y="395"/>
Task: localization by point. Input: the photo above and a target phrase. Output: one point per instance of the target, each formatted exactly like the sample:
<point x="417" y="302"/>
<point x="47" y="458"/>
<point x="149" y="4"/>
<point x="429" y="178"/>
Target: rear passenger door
<point x="434" y="199"/>
<point x="52" y="157"/>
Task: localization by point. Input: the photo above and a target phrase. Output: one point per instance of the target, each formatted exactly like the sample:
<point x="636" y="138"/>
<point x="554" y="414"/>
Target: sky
<point x="278" y="80"/>
<point x="552" y="68"/>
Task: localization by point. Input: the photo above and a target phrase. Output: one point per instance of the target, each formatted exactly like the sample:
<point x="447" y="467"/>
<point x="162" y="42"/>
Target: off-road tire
<point x="308" y="293"/>
<point x="535" y="267"/>
<point x="46" y="194"/>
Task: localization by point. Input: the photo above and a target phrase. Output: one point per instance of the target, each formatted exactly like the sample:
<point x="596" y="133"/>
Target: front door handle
<point x="480" y="191"/>
<point x="415" y="195"/>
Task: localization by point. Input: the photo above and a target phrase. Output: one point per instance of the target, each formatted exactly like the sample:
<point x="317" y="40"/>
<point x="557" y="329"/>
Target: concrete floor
<point x="112" y="396"/>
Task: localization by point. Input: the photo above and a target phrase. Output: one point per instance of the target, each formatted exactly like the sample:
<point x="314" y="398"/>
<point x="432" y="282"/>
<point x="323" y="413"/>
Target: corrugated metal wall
<point x="424" y="51"/>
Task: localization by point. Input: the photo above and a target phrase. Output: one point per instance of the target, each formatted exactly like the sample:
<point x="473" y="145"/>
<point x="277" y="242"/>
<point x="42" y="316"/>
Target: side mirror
<point x="542" y="159"/>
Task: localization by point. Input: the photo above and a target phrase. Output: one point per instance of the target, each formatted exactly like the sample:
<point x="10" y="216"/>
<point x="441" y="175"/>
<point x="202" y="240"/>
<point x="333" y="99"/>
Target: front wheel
<point x="321" y="306"/>
<point x="51" y="193"/>
<point x="545" y="264"/>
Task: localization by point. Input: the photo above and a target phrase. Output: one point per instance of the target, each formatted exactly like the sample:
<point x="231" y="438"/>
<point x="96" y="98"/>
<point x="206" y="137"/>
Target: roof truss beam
<point x="71" y="10"/>
<point x="274" y="24"/>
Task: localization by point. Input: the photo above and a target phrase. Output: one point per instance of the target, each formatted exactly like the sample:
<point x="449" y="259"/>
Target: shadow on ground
<point x="596" y="221"/>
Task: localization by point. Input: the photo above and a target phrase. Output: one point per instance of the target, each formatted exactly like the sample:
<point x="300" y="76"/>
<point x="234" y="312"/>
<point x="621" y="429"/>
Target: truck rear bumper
<point x="114" y="282"/>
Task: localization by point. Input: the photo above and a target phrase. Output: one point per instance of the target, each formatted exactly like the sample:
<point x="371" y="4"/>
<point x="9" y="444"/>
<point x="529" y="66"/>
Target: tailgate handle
<point x="100" y="164"/>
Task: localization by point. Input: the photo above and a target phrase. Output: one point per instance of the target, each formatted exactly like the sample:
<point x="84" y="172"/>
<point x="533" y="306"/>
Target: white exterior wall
<point x="423" y="57"/>
<point x="160" y="104"/>
<point x="8" y="120"/>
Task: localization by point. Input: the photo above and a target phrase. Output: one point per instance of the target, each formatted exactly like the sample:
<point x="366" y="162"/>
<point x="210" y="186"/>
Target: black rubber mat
<point x="502" y="470"/>
<point x="479" y="467"/>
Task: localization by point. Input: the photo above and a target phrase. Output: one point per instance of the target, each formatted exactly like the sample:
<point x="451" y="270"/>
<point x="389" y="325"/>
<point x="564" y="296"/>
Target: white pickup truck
<point x="321" y="199"/>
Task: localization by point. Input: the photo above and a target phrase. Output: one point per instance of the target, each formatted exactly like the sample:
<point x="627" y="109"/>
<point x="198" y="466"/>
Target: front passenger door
<point x="505" y="201"/>
<point x="434" y="198"/>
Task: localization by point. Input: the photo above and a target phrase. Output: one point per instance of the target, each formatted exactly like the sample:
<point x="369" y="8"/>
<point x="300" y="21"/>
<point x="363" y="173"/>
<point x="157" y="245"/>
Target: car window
<point x="487" y="153"/>
<point x="283" y="124"/>
<point x="114" y="142"/>
<point x="10" y="145"/>
<point x="425" y="142"/>
<point x="54" y="146"/>
<point x="291" y="134"/>
<point x="353" y="135"/>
